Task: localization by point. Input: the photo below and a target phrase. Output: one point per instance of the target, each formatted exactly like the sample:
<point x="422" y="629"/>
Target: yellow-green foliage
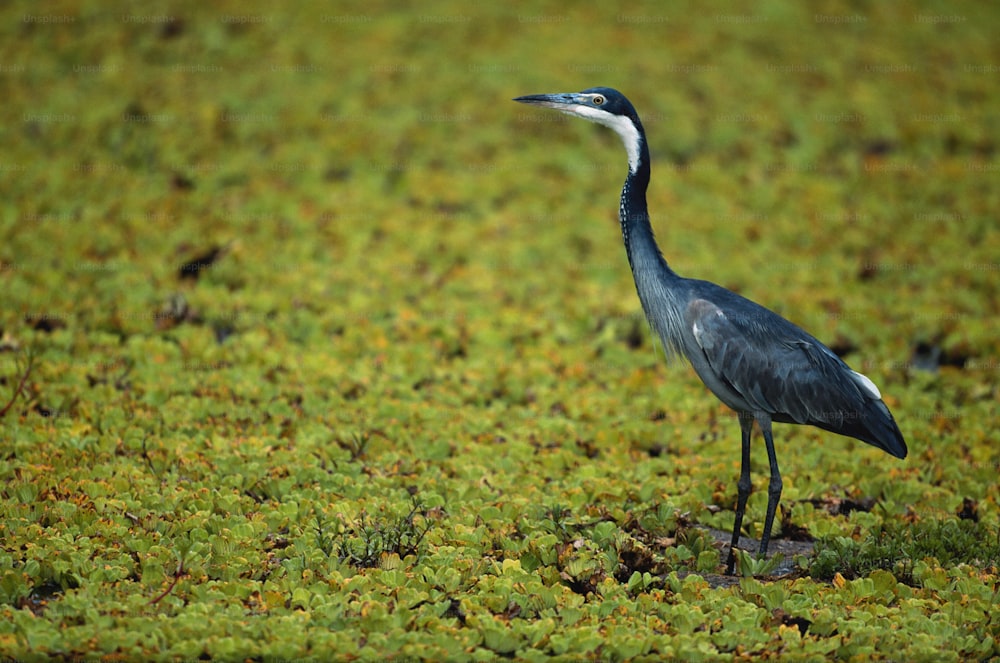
<point x="313" y="345"/>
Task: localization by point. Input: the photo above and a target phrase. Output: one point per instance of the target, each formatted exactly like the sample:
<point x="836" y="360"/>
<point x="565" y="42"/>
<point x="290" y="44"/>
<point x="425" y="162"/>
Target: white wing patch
<point x="701" y="307"/>
<point x="866" y="385"/>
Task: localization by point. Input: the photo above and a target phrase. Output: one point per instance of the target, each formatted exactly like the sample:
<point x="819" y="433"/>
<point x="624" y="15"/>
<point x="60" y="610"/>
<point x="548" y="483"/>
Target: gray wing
<point x="775" y="366"/>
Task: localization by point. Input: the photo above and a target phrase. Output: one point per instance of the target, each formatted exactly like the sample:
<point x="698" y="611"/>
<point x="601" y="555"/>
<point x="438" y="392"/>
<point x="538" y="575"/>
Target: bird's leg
<point x="774" y="487"/>
<point x="743" y="487"/>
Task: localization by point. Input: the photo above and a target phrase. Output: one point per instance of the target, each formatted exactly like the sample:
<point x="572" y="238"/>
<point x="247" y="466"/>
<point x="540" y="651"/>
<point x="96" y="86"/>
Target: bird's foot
<point x="749" y="565"/>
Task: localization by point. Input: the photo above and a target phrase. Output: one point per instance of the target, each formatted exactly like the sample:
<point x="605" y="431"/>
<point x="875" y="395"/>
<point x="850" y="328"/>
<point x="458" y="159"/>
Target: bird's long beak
<point x="559" y="101"/>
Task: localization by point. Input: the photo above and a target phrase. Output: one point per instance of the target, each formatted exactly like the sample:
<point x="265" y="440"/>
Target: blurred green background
<point x="265" y="268"/>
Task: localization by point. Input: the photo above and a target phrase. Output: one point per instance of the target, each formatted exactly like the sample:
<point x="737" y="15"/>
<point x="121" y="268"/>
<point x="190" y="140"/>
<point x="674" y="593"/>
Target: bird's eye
<point x="598" y="100"/>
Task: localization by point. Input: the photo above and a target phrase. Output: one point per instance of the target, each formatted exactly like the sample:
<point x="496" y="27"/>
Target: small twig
<point x="147" y="458"/>
<point x="173" y="583"/>
<point x="20" y="384"/>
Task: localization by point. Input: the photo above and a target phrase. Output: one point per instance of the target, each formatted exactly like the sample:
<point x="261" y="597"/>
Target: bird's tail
<point x="873" y="424"/>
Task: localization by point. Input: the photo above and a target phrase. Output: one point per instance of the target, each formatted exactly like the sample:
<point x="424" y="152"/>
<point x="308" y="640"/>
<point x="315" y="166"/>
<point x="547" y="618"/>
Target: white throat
<point x="621" y="125"/>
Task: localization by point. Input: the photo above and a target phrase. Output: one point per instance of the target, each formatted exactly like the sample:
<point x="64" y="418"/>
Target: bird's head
<point x="602" y="105"/>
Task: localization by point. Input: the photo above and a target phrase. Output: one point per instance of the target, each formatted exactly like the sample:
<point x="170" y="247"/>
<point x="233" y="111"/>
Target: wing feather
<point x="759" y="361"/>
<point x="776" y="367"/>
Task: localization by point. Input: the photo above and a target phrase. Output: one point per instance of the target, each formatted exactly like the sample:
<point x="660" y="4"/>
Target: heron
<point x="762" y="366"/>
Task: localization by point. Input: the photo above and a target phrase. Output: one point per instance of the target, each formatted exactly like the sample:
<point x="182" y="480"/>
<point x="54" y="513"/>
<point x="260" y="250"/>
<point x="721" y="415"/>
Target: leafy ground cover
<point x="313" y="345"/>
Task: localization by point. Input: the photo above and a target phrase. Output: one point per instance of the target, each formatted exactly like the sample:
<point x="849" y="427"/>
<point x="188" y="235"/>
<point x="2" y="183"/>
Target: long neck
<point x="656" y="284"/>
<point x="640" y="244"/>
